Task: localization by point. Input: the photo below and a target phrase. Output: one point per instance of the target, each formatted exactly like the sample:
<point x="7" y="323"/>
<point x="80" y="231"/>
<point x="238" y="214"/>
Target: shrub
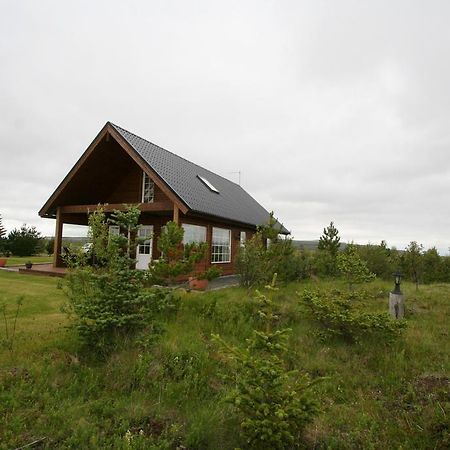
<point x="274" y="404"/>
<point x="352" y="267"/>
<point x="338" y="317"/>
<point x="379" y="259"/>
<point x="50" y="246"/>
<point x="176" y="259"/>
<point x="328" y="248"/>
<point x="108" y="300"/>
<point x="257" y="262"/>
<point x="25" y="241"/>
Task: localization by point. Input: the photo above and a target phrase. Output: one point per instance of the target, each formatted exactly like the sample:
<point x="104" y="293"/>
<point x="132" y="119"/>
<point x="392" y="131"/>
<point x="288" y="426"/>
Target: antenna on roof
<point x="239" y="174"/>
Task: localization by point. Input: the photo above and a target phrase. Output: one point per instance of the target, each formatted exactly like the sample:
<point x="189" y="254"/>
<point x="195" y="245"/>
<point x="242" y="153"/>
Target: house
<point x="121" y="168"/>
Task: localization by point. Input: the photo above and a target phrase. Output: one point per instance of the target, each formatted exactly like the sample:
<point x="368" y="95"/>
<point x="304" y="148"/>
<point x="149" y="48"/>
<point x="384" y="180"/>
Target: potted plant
<point x="28" y="264"/>
<point x="201" y="281"/>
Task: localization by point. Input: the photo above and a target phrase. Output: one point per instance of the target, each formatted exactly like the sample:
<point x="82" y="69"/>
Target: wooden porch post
<point x="176" y="214"/>
<point x="209" y="242"/>
<point x="57" y="260"/>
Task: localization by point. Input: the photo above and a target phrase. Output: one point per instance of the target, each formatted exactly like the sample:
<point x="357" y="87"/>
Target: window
<point x="148" y="189"/>
<point x="114" y="230"/>
<point x="144" y="235"/>
<point x="193" y="233"/>
<point x="221" y="245"/>
<point x="208" y="184"/>
<point x="243" y="238"/>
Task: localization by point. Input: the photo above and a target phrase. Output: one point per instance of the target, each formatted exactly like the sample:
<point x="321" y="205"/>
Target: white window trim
<point x="242" y="241"/>
<point x="212" y="245"/>
<point x="195" y="225"/>
<point x="144" y="175"/>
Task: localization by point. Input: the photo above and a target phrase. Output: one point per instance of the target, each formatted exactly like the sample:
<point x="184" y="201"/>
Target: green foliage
<point x="379" y="259"/>
<point x="330" y="240"/>
<point x="3" y="240"/>
<point x="328" y="248"/>
<point x="372" y="396"/>
<point x="2" y="229"/>
<point x="352" y="267"/>
<point x="210" y="274"/>
<point x="176" y="259"/>
<point x="257" y="262"/>
<point x="109" y="300"/>
<point x="413" y="262"/>
<point x="339" y="317"/>
<point x="50" y="246"/>
<point x="25" y="241"/>
<point x="251" y="262"/>
<point x="274" y="403"/>
<point x="433" y="266"/>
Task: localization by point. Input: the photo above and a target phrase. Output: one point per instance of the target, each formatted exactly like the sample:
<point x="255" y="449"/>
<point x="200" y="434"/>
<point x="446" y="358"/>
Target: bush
<point x="257" y="262"/>
<point x="338" y="317"/>
<point x="274" y="403"/>
<point x="352" y="267"/>
<point x="50" y="246"/>
<point x="25" y="241"/>
<point x="176" y="259"/>
<point x="109" y="300"/>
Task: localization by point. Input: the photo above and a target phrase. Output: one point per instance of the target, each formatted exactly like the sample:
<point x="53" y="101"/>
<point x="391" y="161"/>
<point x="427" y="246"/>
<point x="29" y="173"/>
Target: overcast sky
<point x="332" y="110"/>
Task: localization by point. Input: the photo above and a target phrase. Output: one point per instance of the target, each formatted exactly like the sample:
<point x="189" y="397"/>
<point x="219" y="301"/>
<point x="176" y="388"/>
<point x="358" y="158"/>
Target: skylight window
<point x="208" y="184"/>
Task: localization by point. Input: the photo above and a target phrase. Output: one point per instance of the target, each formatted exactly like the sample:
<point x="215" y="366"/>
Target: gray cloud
<point x="331" y="110"/>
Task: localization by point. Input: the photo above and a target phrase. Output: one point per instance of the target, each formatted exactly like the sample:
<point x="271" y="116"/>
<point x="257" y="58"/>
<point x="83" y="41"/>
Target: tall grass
<point x="168" y="384"/>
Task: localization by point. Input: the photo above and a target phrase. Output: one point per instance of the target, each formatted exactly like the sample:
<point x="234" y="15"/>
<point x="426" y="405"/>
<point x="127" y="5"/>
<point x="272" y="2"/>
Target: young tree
<point x="24" y="241"/>
<point x="413" y="261"/>
<point x="433" y="266"/>
<point x="330" y="240"/>
<point x="176" y="259"/>
<point x="108" y="300"/>
<point x="2" y="237"/>
<point x="352" y="267"/>
<point x="274" y="403"/>
<point x="378" y="259"/>
<point x="2" y="228"/>
<point x="328" y="248"/>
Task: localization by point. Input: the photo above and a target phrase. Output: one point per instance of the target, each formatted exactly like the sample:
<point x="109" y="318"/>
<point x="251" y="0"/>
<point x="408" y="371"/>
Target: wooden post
<point x="57" y="260"/>
<point x="209" y="242"/>
<point x="396" y="305"/>
<point x="176" y="214"/>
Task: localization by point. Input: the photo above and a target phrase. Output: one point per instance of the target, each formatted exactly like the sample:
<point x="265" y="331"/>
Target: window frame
<point x="113" y="230"/>
<point x="146" y="177"/>
<point x="218" y="253"/>
<point x="242" y="241"/>
<point x="205" y="229"/>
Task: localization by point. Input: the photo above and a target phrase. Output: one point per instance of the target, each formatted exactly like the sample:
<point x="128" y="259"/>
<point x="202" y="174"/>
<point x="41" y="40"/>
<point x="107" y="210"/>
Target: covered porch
<point x="153" y="215"/>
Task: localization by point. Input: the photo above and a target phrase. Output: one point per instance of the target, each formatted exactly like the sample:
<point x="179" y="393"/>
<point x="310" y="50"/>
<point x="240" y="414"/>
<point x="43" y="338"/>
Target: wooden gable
<point x="108" y="172"/>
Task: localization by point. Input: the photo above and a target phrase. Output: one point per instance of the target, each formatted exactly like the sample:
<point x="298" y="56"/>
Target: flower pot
<point x="3" y="262"/>
<point x="28" y="265"/>
<point x="198" y="285"/>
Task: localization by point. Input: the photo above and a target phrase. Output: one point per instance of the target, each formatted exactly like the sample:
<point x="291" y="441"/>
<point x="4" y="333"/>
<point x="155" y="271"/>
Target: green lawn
<point x="20" y="260"/>
<point x="374" y="396"/>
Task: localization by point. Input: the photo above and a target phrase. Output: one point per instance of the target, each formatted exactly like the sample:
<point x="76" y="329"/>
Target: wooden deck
<point x="43" y="269"/>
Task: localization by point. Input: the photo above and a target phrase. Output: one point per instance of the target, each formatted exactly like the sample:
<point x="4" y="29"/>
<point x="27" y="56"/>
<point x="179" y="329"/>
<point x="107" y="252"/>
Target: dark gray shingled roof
<point x="232" y="202"/>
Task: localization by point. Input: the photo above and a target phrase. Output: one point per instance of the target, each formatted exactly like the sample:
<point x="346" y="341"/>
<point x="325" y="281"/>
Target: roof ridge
<point x="178" y="156"/>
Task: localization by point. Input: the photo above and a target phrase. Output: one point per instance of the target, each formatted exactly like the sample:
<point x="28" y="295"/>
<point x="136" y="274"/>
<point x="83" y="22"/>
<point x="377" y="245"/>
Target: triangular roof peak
<point x="185" y="182"/>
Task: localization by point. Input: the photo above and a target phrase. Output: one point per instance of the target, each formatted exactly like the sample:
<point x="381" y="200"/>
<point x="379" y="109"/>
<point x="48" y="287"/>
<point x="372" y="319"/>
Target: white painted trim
<point x="212" y="245"/>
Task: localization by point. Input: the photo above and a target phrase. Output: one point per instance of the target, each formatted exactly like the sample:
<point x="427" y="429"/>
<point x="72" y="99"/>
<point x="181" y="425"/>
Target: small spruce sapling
<point x="274" y="403"/>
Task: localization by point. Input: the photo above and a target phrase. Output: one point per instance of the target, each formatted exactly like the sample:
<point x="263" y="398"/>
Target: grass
<point x="21" y="260"/>
<point x="374" y="396"/>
